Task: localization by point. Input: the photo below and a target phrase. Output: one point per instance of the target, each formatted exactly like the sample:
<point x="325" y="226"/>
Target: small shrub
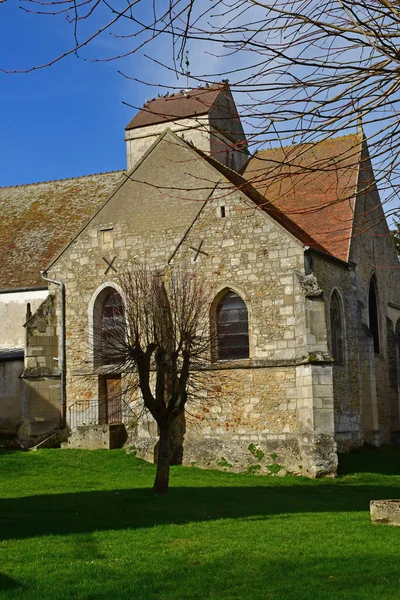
<point x="223" y="462"/>
<point x="274" y="456"/>
<point x="253" y="469"/>
<point x="274" y="469"/>
<point x="256" y="452"/>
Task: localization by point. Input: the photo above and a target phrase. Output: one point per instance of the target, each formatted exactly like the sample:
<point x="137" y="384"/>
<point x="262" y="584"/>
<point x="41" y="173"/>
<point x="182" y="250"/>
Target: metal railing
<point x="113" y="411"/>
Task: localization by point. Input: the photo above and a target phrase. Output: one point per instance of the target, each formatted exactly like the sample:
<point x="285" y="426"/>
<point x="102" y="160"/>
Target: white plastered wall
<point x="13" y="307"/>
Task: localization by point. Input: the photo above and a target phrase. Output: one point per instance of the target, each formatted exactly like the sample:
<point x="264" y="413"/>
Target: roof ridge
<point x="180" y="105"/>
<point x="20" y="185"/>
<point x="269" y="207"/>
<point x="300" y="144"/>
<point x="183" y="92"/>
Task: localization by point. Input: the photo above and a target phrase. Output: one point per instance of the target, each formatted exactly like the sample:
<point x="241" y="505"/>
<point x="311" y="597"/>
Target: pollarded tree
<point x="158" y="337"/>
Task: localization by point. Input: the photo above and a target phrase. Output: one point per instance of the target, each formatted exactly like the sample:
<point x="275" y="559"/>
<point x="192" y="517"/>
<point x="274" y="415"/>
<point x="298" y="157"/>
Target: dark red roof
<point x="177" y="106"/>
<point x="314" y="185"/>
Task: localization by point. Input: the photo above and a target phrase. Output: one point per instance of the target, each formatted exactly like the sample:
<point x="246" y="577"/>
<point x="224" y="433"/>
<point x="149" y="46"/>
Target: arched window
<point x="373" y="314"/>
<point x="108" y="327"/>
<point x="232" y="328"/>
<point x="337" y="333"/>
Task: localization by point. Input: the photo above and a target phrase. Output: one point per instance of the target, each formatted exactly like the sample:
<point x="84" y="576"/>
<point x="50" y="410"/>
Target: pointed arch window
<point x="109" y="327"/>
<point x="232" y="328"/>
<point x="373" y="313"/>
<point x="337" y="330"/>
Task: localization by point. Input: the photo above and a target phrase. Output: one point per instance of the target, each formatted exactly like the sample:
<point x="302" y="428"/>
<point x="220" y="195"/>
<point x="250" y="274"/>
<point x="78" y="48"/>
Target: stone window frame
<point x="376" y="332"/>
<point x="397" y="346"/>
<point x="94" y="315"/>
<point x="339" y="355"/>
<point x="219" y="293"/>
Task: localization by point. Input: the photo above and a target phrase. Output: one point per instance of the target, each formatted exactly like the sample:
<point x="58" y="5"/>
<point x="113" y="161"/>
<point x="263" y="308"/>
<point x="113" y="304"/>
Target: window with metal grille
<point x="337" y="338"/>
<point x="373" y="314"/>
<point x="232" y="328"/>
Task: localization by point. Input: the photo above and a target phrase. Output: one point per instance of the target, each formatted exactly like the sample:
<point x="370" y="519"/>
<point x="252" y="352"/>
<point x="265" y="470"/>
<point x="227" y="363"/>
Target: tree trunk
<point x="162" y="476"/>
<point x="176" y="439"/>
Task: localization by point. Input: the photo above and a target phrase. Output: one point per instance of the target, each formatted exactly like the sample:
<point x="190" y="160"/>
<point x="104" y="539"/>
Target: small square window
<point x="106" y="236"/>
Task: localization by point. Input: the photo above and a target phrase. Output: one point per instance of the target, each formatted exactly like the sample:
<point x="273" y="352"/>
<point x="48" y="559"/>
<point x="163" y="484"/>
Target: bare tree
<point x="158" y="336"/>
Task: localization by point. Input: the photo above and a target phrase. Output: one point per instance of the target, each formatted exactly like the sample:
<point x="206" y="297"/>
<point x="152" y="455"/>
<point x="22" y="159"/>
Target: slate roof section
<point x="317" y="191"/>
<point x="11" y="354"/>
<point x="37" y="220"/>
<point x="177" y="106"/>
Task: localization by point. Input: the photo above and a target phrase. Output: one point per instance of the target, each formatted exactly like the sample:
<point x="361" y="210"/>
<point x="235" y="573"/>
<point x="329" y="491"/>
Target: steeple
<point x="205" y="117"/>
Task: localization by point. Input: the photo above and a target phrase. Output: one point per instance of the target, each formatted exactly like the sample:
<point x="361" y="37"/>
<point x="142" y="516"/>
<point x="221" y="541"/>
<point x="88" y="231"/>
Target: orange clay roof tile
<point x="314" y="185"/>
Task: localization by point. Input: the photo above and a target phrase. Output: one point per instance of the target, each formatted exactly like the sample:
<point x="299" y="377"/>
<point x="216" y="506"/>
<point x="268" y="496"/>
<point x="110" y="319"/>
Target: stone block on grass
<point x="385" y="511"/>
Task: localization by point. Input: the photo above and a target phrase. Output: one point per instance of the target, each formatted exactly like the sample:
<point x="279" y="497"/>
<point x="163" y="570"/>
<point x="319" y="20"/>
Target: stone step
<point x="95" y="437"/>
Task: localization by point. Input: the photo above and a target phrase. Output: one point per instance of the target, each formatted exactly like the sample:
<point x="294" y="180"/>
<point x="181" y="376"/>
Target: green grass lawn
<point x="82" y="524"/>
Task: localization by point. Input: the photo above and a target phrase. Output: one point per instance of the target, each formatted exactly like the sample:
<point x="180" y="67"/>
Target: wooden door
<point x="114" y="399"/>
<point x="110" y="399"/>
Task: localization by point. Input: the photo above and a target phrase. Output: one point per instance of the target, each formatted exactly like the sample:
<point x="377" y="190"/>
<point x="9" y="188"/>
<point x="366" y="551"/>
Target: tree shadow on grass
<point x="374" y="576"/>
<point x="369" y="459"/>
<point x="7" y="583"/>
<point x="85" y="512"/>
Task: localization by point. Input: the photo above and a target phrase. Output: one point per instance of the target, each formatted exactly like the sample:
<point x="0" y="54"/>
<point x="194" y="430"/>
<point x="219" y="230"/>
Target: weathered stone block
<point x="385" y="511"/>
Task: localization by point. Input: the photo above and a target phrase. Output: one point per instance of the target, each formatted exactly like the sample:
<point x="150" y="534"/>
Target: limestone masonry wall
<point x="41" y="393"/>
<point x="264" y="401"/>
<point x="333" y="276"/>
<point x="374" y="254"/>
<point x="289" y="406"/>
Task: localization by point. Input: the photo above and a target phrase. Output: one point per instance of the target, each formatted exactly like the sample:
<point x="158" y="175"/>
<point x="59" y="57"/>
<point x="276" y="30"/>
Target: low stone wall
<point x="277" y="456"/>
<point x="97" y="437"/>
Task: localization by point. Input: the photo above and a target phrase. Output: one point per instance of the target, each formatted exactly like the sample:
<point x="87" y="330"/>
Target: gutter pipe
<point x="62" y="359"/>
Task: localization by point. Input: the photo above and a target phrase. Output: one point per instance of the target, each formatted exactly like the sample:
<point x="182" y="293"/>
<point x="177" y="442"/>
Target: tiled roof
<point x="251" y="192"/>
<point x="177" y="106"/>
<point x="37" y="220"/>
<point x="317" y="191"/>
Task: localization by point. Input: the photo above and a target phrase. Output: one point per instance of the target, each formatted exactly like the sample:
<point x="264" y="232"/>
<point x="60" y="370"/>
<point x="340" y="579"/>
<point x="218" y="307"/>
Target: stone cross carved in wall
<point x="110" y="265"/>
<point x="198" y="250"/>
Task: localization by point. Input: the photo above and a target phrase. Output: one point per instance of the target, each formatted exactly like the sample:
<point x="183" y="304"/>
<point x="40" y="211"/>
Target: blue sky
<point x="68" y="119"/>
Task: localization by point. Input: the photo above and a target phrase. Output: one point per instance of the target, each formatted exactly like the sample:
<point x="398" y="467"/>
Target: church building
<point x="298" y="259"/>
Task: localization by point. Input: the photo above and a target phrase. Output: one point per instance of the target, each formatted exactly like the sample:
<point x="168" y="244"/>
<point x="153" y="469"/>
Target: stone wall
<point x="13" y="308"/>
<point x="41" y="393"/>
<point x="10" y="391"/>
<point x="219" y="133"/>
<point x="228" y="142"/>
<point x="336" y="276"/>
<point x="195" y="130"/>
<point x="276" y="403"/>
<point x="374" y="254"/>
